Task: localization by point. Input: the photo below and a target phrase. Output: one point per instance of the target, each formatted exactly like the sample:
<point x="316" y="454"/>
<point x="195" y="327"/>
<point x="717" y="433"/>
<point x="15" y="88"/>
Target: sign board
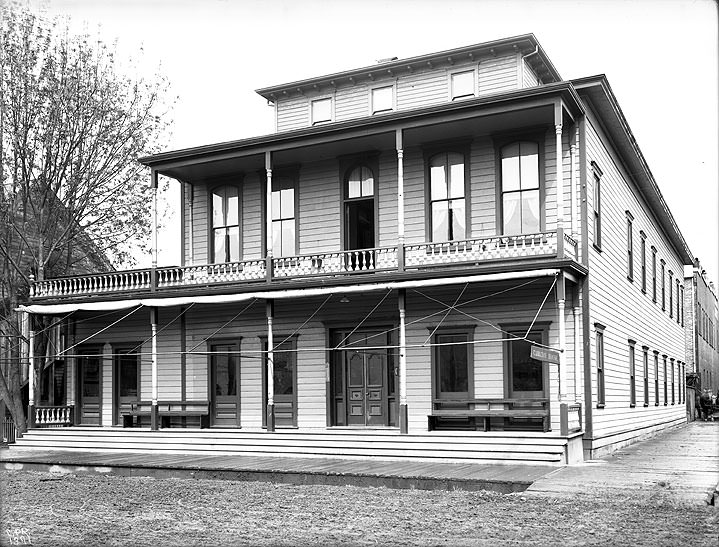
<point x="544" y="354"/>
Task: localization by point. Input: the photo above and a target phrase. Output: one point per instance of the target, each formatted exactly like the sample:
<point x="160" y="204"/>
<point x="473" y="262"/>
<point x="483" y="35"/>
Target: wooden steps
<point x="458" y="447"/>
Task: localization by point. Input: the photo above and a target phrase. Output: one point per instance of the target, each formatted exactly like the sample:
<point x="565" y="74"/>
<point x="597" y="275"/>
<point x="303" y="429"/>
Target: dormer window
<point x="225" y="224"/>
<point x="382" y="99"/>
<point x="321" y="110"/>
<point x="462" y="84"/>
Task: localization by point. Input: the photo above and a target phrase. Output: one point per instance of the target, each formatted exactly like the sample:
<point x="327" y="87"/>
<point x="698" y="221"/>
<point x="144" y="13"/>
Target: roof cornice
<point x="525" y="43"/>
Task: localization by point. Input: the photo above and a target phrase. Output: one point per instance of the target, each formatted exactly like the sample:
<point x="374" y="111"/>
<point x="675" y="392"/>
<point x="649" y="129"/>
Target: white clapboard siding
<point x="414" y="196"/>
<point x="319" y="211"/>
<point x="498" y="74"/>
<point x="482" y="190"/>
<point x="351" y="102"/>
<point x="252" y="221"/>
<point x="387" y="199"/>
<point x="422" y="89"/>
<point x="621" y="305"/>
<point x="292" y="113"/>
<point x="529" y="77"/>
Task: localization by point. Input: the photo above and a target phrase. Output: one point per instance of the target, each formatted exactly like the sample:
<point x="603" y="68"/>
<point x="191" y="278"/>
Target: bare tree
<point x="71" y="127"/>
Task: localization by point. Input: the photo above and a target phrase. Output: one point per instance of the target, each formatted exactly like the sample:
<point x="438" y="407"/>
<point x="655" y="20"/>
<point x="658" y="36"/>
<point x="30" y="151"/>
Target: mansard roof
<point x="526" y="44"/>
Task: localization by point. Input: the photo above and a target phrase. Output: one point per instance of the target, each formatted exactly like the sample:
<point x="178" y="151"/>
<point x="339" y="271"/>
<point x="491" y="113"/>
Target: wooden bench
<point x="488" y="409"/>
<point x="167" y="410"/>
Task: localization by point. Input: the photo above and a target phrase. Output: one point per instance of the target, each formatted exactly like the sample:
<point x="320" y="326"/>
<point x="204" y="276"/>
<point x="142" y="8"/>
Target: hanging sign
<point x="544" y="354"/>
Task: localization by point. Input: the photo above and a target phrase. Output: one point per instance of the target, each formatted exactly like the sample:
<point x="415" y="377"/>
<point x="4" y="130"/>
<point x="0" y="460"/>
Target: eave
<point x="525" y="43"/>
<point x="600" y="93"/>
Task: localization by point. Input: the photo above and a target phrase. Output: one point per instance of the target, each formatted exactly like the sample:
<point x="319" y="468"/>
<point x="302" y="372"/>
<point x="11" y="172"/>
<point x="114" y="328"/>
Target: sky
<point x="660" y="57"/>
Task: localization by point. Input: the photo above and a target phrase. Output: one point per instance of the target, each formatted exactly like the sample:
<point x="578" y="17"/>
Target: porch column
<point x="153" y="280"/>
<point x="400" y="202"/>
<point x="268" y="215"/>
<point x="270" y="369"/>
<point x="560" y="167"/>
<point x="31" y="373"/>
<point x="575" y="313"/>
<point x="402" y="364"/>
<point x="573" y="189"/>
<point x="154" y="415"/>
<point x="562" y="391"/>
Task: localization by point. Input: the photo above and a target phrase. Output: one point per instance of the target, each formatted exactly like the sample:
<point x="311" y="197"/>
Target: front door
<point x="363" y="382"/>
<point x="127" y="383"/>
<point x="225" y="384"/>
<point x="89" y="393"/>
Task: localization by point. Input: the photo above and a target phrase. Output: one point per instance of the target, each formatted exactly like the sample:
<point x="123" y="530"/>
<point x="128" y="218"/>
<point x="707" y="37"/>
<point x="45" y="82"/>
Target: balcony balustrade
<point x="411" y="257"/>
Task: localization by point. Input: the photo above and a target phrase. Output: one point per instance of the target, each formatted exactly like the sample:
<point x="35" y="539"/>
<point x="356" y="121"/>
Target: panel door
<point x="89" y="389"/>
<point x="127" y="383"/>
<point x="225" y="380"/>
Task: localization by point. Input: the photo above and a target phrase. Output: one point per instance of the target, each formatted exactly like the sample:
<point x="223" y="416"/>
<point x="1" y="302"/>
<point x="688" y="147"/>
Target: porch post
<point x="153" y="274"/>
<point x="400" y="202"/>
<point x="575" y="313"/>
<point x="402" y="364"/>
<point x="573" y="181"/>
<point x="31" y="373"/>
<point x="268" y="215"/>
<point x="154" y="416"/>
<point x="270" y="369"/>
<point x="561" y="392"/>
<point x="560" y="166"/>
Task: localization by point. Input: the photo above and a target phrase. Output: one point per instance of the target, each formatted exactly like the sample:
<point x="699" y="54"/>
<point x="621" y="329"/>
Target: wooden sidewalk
<point x="421" y="475"/>
<point x="682" y="463"/>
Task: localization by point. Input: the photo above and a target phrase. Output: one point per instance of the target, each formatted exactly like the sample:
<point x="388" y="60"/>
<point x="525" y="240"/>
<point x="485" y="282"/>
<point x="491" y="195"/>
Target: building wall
<point x="311" y="319"/>
<point x="319" y="209"/>
<point x="415" y="89"/>
<point x="701" y="333"/>
<point x="620" y="305"/>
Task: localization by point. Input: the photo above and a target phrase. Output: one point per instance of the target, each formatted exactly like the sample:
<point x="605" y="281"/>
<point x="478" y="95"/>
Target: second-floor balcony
<point x="448" y="255"/>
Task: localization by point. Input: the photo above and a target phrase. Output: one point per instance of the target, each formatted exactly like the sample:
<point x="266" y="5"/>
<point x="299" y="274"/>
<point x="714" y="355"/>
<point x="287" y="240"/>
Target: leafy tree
<point x="72" y="194"/>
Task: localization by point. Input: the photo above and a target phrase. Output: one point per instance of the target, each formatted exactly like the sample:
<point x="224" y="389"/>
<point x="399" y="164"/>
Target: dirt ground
<point x="92" y="510"/>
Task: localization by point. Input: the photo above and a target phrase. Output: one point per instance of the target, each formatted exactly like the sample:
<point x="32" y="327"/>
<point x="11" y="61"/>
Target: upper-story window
<point x="671" y="294"/>
<point x="520" y="188"/>
<point x="630" y="247"/>
<point x="284" y="226"/>
<point x="225" y="224"/>
<point x="462" y="84"/>
<point x="664" y="285"/>
<point x="448" y="211"/>
<point x="597" y="206"/>
<point x="322" y="110"/>
<point x="382" y="99"/>
<point x="654" y="273"/>
<point x="644" y="261"/>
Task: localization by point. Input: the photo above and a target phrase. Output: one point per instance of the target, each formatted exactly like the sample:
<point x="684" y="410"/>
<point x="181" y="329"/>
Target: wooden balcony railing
<point x="53" y="416"/>
<point x="342" y="263"/>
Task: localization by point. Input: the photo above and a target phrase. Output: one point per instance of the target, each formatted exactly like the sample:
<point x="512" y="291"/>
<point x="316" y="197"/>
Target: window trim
<point x="541" y="327"/>
<point x="346" y="166"/>
<point x="671" y="295"/>
<point x="645" y="371"/>
<point x="475" y="83"/>
<point x="678" y="317"/>
<point x="466" y="330"/>
<point x="240" y="217"/>
<point x="654" y="273"/>
<point x="671" y="363"/>
<point x="599" y="364"/>
<point x="539" y="139"/>
<point x="597" y="207"/>
<point x="644" y="260"/>
<point x="681" y="289"/>
<point x="630" y="246"/>
<point x="632" y="373"/>
<point x="666" y="392"/>
<point x="372" y="89"/>
<point x="656" y="378"/>
<point x="664" y="285"/>
<point x="464" y="148"/>
<point x="319" y="98"/>
<point x="289" y="171"/>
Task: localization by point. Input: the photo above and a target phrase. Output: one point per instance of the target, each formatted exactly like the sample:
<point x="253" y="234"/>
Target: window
<point x="645" y="370"/>
<point x="681" y="298"/>
<point x="321" y="110"/>
<point x="663" y="285"/>
<point x="654" y="273"/>
<point x="656" y="378"/>
<point x="599" y="337"/>
<point x="597" y="206"/>
<point x="284" y="227"/>
<point x="644" y="261"/>
<point x="462" y="84"/>
<point x="225" y="224"/>
<point x="664" y="359"/>
<point x="453" y="365"/>
<point x="448" y="214"/>
<point x="671" y="295"/>
<point x="382" y="99"/>
<point x="630" y="247"/>
<point x="678" y="300"/>
<point x="671" y="361"/>
<point x="632" y="375"/>
<point x="520" y="188"/>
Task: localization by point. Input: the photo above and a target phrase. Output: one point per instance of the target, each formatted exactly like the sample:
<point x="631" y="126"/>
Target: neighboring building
<point x="398" y="256"/>
<point x="702" y="327"/>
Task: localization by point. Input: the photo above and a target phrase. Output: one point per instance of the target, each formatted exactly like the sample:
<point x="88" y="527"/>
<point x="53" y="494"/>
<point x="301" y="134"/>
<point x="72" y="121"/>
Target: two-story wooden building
<point x="453" y="256"/>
